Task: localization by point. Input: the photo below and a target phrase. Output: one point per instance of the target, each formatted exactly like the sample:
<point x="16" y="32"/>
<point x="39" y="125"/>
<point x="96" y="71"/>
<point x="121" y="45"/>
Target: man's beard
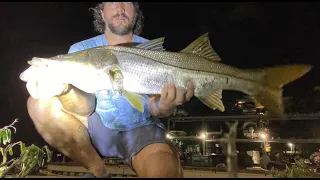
<point x="121" y="29"/>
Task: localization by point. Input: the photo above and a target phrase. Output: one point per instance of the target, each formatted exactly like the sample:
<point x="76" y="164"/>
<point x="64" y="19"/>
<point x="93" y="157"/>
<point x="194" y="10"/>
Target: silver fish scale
<point x="145" y="76"/>
<point x="145" y="71"/>
<point x="188" y="61"/>
<point x="140" y="74"/>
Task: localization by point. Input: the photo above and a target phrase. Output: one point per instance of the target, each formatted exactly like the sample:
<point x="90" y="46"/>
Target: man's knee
<point x="43" y="113"/>
<point x="49" y="111"/>
<point x="157" y="160"/>
<point x="57" y="127"/>
<point x="39" y="110"/>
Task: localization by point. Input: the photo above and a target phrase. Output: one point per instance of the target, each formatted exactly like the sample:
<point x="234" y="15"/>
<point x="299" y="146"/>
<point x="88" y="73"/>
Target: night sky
<point x="246" y="35"/>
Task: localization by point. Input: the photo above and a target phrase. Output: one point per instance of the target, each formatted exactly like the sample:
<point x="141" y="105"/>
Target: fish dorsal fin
<point x="129" y="44"/>
<point x="202" y="47"/>
<point x="155" y="44"/>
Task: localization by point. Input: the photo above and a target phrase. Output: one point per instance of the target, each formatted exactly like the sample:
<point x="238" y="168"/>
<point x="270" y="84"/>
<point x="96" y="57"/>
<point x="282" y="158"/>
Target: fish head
<point x="62" y="63"/>
<point x="72" y="58"/>
<point x="43" y="62"/>
<point x="85" y="70"/>
<point x="37" y="65"/>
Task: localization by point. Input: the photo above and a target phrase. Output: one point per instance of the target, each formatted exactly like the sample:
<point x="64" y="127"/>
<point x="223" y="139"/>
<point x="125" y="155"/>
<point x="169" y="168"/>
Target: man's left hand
<point x="172" y="96"/>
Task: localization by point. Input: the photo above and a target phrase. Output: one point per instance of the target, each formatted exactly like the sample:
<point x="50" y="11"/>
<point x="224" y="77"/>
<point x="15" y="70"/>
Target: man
<point x="72" y="120"/>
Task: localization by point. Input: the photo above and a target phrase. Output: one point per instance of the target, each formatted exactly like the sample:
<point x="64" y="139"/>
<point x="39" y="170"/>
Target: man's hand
<point x="170" y="97"/>
<point x="42" y="82"/>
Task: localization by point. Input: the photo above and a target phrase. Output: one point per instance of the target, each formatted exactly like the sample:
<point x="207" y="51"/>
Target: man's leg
<point x="65" y="133"/>
<point x="157" y="160"/>
<point x="151" y="154"/>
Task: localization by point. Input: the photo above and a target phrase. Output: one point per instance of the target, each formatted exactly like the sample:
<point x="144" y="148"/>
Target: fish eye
<point x="57" y="57"/>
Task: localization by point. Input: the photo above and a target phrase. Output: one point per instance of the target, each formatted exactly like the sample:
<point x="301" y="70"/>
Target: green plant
<point x="298" y="170"/>
<point x="29" y="158"/>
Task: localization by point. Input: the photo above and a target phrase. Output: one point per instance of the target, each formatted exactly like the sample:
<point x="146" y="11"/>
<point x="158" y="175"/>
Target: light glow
<point x="263" y="135"/>
<point x="203" y="135"/>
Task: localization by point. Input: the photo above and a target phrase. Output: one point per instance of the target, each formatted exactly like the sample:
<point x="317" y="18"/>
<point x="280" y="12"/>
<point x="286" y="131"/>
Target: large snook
<point x="145" y="68"/>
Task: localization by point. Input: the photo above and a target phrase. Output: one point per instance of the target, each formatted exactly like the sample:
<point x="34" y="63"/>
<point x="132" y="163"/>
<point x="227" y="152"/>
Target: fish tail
<point x="270" y="93"/>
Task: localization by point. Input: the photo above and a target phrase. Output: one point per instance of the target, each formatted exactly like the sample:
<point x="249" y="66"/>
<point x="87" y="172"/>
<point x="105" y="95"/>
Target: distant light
<point x="290" y="144"/>
<point x="168" y="136"/>
<point x="263" y="135"/>
<point x="203" y="135"/>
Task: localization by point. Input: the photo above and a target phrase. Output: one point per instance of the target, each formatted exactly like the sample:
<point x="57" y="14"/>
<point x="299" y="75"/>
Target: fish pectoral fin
<point x="213" y="100"/>
<point x="116" y="77"/>
<point x="155" y="44"/>
<point x="134" y="99"/>
<point x="202" y="47"/>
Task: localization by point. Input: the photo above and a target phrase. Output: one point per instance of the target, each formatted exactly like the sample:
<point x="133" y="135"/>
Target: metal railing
<point x="229" y="139"/>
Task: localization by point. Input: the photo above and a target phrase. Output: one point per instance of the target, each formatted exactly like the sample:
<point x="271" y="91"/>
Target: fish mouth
<point x="35" y="61"/>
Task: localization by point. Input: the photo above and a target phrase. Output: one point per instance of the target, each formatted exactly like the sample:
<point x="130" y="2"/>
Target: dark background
<point x="246" y="35"/>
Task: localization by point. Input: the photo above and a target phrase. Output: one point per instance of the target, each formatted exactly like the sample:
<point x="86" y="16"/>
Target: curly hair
<point x="99" y="25"/>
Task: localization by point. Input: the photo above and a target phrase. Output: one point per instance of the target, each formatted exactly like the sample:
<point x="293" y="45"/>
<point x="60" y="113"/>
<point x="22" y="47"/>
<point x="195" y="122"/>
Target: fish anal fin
<point x="213" y="100"/>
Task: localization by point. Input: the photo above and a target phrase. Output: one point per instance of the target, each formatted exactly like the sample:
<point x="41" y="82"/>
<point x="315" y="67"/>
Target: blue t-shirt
<point x="115" y="111"/>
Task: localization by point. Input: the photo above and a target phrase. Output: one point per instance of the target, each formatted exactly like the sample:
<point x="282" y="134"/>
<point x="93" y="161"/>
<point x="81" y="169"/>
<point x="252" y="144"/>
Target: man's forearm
<point x="75" y="101"/>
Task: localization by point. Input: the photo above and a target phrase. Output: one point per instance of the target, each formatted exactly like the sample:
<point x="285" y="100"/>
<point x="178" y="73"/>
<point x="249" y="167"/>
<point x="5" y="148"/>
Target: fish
<point x="145" y="68"/>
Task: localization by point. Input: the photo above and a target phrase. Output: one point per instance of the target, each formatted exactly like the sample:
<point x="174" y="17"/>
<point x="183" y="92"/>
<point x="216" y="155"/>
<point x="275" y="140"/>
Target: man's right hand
<point x="42" y="82"/>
